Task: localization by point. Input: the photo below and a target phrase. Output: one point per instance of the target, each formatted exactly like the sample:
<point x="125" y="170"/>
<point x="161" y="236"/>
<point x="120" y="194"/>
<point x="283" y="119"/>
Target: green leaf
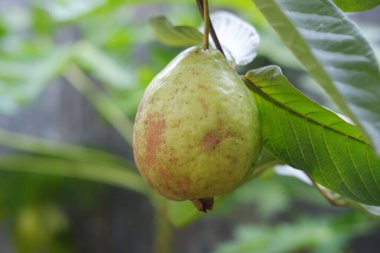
<point x="356" y="5"/>
<point x="20" y="83"/>
<point x="44" y="147"/>
<point x="102" y="173"/>
<point x="334" y="52"/>
<point x="63" y="10"/>
<point x="308" y="234"/>
<point x="103" y="66"/>
<point x="181" y="213"/>
<point x="309" y="137"/>
<point x="175" y="35"/>
<point x="102" y="103"/>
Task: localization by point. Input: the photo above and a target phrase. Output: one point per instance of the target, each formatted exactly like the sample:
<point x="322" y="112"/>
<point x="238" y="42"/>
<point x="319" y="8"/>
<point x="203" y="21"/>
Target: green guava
<point x="197" y="132"/>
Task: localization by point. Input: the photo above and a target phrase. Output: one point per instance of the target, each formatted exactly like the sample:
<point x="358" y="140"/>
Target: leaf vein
<point x="357" y="171"/>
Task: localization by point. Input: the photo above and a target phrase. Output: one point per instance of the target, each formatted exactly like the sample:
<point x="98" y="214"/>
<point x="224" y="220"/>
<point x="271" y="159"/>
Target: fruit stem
<point x="212" y="30"/>
<point x="206" y="25"/>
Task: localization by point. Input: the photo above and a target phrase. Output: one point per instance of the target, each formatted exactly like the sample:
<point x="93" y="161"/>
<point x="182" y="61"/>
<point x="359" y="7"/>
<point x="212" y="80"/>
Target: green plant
<point x="296" y="130"/>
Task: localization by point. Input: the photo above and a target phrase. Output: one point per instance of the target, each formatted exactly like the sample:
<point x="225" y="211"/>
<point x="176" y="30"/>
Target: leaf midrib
<point x="267" y="97"/>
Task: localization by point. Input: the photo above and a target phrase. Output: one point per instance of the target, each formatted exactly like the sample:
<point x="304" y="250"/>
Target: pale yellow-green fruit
<point x="197" y="132"/>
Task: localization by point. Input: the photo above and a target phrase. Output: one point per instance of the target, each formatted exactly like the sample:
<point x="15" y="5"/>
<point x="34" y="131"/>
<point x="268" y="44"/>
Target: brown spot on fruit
<point x="186" y="181"/>
<point x="183" y="182"/>
<point x="210" y="141"/>
<point x="203" y="103"/>
<point x="194" y="72"/>
<point x="177" y="124"/>
<point x="168" y="184"/>
<point x="165" y="174"/>
<point x="155" y="130"/>
<point x="227" y="134"/>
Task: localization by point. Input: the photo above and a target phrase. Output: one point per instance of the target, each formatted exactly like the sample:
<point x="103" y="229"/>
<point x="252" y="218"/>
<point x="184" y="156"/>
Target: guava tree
<point x="336" y="153"/>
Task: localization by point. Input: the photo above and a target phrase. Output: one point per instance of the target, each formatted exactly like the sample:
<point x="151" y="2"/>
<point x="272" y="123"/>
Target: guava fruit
<point x="197" y="132"/>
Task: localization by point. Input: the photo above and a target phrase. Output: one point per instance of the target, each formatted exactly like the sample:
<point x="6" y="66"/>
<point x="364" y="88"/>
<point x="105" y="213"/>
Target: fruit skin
<point x="197" y="132"/>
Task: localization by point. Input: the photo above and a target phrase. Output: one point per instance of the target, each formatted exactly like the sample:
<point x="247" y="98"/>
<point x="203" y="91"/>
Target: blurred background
<point x="72" y="73"/>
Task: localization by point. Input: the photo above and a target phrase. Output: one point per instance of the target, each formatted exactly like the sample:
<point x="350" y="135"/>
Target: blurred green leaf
<point x="283" y="192"/>
<point x="41" y="146"/>
<point x="42" y="188"/>
<point x="258" y="191"/>
<point x="370" y="30"/>
<point x="3" y="29"/>
<point x="356" y="5"/>
<point x="175" y="35"/>
<point x="102" y="103"/>
<point x="335" y="53"/>
<point x="309" y="137"/>
<point x="103" y="66"/>
<point x="38" y="227"/>
<point x="310" y="234"/>
<point x="69" y="9"/>
<point x="103" y="173"/>
<point x="181" y="213"/>
<point x="110" y="6"/>
<point x="272" y="48"/>
<point x="46" y="70"/>
<point x="23" y="79"/>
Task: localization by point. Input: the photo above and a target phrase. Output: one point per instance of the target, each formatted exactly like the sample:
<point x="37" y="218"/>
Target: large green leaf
<point x="175" y="35"/>
<point x="356" y="5"/>
<point x="334" y="52"/>
<point x="309" y="137"/>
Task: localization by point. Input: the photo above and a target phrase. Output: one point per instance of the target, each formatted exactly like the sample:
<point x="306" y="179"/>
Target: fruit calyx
<point x="203" y="205"/>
